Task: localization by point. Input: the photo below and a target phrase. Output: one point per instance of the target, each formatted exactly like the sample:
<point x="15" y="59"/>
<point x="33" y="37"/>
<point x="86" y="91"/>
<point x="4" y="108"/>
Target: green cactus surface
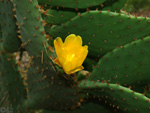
<point x="9" y="27"/>
<point x="86" y="108"/>
<point x="119" y="29"/>
<point x="53" y="16"/>
<point x="113" y="5"/>
<point x="11" y="82"/>
<point x="35" y="63"/>
<point x="44" y="84"/>
<point x="129" y="65"/>
<point x="121" y="97"/>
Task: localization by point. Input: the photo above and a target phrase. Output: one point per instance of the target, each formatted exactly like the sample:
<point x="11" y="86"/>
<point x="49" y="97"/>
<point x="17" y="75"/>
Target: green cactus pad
<point x="0" y="33"/>
<point x="31" y="27"/>
<point x="118" y="96"/>
<point x="103" y="31"/>
<point x="13" y="89"/>
<point x="57" y="17"/>
<point x="128" y="65"/>
<point x="73" y="3"/>
<point x="85" y="108"/>
<point x="11" y="42"/>
<point x="83" y="4"/>
<point x="113" y="5"/>
<point x="118" y="52"/>
<point x="89" y="64"/>
<point x="47" y="90"/>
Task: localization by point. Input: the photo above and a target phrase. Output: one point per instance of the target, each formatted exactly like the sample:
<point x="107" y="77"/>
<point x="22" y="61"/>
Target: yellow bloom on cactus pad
<point x="70" y="54"/>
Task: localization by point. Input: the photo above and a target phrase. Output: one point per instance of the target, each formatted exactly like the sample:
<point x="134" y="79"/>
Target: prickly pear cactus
<point x="115" y="57"/>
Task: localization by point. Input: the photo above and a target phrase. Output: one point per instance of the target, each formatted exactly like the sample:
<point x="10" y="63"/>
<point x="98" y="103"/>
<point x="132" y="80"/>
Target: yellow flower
<point x="70" y="54"/>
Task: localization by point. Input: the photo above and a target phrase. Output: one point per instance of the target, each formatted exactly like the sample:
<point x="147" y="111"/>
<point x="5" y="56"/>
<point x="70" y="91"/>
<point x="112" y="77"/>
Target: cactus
<point x="127" y="65"/>
<point x="9" y="27"/>
<point x="13" y="94"/>
<point x="116" y="68"/>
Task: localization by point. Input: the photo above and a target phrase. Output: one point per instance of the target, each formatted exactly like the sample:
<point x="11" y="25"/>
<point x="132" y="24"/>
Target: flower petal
<point x="72" y="40"/>
<point x="70" y="54"/>
<point x="75" y="70"/>
<point x="57" y="62"/>
<point x="83" y="55"/>
<point x="58" y="44"/>
<point x="67" y="66"/>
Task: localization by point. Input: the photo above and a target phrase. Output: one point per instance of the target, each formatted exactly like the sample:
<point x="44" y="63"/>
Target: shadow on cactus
<point x="56" y="79"/>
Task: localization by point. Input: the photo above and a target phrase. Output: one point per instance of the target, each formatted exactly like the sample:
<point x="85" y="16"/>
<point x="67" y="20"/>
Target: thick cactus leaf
<point x="57" y="17"/>
<point x="31" y="27"/>
<point x="103" y="31"/>
<point x="0" y="32"/>
<point x="85" y="108"/>
<point x="89" y="64"/>
<point x="128" y="65"/>
<point x="47" y="90"/>
<point x="13" y="93"/>
<point x="11" y="42"/>
<point x="73" y="3"/>
<point x="118" y="96"/>
<point x="112" y="5"/>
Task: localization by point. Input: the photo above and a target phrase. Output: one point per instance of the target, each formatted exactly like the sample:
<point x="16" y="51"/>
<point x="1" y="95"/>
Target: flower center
<point x="70" y="57"/>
